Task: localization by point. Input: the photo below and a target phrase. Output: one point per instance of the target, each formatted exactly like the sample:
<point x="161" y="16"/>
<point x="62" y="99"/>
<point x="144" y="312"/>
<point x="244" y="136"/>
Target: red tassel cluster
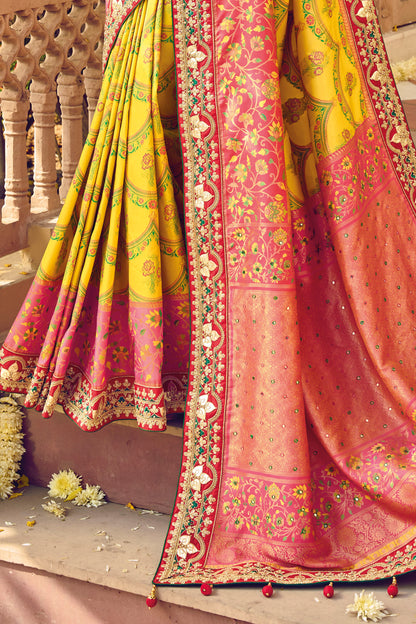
<point x="267" y="590"/>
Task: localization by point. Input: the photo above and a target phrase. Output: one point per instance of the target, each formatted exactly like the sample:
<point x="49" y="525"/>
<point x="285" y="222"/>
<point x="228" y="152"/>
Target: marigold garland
<point x="11" y="446"/>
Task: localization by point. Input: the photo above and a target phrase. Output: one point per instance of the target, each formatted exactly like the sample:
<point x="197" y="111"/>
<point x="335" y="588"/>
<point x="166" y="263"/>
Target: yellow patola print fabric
<point x="108" y="313"/>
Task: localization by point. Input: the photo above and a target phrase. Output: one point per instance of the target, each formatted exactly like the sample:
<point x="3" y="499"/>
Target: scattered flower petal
<point x="74" y="494"/>
<point x="55" y="508"/>
<point x="22" y="481"/>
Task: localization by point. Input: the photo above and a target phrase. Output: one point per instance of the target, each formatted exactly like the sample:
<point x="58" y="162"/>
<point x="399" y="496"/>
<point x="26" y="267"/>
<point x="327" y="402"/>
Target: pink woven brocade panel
<point x="300" y="447"/>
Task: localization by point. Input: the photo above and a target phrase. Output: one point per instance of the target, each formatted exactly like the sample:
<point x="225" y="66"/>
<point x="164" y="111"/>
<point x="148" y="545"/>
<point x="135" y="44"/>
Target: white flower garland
<point x="11" y="446"/>
<point x="404" y="70"/>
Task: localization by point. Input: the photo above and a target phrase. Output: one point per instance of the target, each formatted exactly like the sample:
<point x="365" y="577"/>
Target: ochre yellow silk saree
<point x="105" y="328"/>
<point x="298" y="181"/>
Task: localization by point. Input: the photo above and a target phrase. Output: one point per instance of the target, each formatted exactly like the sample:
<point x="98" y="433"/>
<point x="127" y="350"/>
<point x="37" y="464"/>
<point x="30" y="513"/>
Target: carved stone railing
<point x="50" y="57"/>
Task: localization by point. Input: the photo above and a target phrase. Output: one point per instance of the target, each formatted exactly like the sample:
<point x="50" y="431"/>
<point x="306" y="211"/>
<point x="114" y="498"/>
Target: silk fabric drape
<point x="299" y="460"/>
<point x="300" y="456"/>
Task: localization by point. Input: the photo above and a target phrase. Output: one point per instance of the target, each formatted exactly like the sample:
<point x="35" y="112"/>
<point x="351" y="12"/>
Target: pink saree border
<point x="185" y="552"/>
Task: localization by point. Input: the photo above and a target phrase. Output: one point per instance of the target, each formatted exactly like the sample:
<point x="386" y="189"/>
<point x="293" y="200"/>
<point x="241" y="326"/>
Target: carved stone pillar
<point x="2" y="159"/>
<point x="45" y="194"/>
<point x="70" y="94"/>
<point x="92" y="80"/>
<point x="15" y="112"/>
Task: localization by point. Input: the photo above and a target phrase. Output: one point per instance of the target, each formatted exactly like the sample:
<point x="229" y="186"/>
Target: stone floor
<point x="115" y="547"/>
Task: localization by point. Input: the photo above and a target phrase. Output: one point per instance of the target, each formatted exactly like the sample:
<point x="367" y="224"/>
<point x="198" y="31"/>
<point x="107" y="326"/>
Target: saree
<point x="104" y="329"/>
<point x="299" y="456"/>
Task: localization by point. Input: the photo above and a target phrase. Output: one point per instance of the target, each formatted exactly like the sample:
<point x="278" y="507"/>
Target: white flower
<point x="403" y="70"/>
<point x="401" y="135"/>
<point x="201" y="195"/>
<point x="10" y="373"/>
<point x="367" y="608"/>
<point x="63" y="483"/>
<point x="381" y="74"/>
<point x="55" y="508"/>
<point x="210" y="335"/>
<point x="367" y="10"/>
<point x="90" y="496"/>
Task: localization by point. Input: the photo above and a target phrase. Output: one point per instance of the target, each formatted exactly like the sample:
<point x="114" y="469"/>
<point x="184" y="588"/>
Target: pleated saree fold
<point x="104" y="329"/>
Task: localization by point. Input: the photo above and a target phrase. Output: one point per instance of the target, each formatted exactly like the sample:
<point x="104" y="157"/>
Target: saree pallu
<point x="299" y="460"/>
<point x="104" y="330"/>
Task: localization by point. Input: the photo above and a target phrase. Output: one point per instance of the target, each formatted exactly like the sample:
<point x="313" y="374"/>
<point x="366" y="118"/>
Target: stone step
<point x="130" y="465"/>
<point x="401" y="43"/>
<point x="96" y="567"/>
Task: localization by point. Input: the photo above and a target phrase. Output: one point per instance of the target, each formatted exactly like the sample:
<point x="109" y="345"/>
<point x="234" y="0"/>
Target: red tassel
<point x="206" y="589"/>
<point x="267" y="590"/>
<point x="151" y="600"/>
<point x="392" y="589"/>
<point x="329" y="590"/>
